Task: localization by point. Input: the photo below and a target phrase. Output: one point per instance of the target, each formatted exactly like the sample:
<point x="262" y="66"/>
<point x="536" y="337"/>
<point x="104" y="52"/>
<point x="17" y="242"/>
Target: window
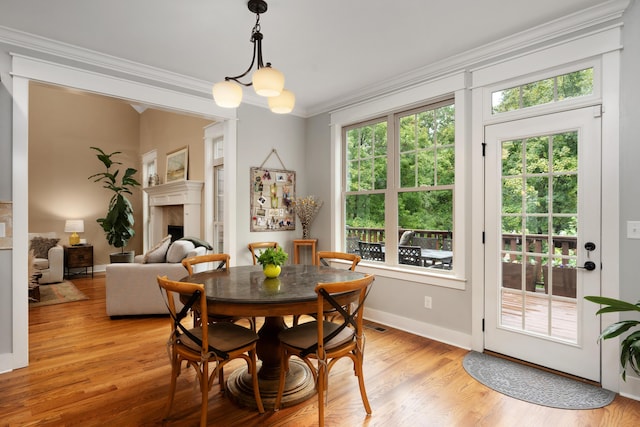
<point x="405" y="161"/>
<point x="218" y="195"/>
<point x="554" y="89"/>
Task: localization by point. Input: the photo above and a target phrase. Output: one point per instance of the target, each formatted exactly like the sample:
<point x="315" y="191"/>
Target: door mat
<point x="534" y="385"/>
<point x="58" y="293"/>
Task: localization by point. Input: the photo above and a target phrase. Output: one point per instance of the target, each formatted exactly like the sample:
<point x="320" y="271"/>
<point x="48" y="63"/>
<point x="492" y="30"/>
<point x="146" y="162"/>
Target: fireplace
<point x="176" y="231"/>
<point x="175" y="204"/>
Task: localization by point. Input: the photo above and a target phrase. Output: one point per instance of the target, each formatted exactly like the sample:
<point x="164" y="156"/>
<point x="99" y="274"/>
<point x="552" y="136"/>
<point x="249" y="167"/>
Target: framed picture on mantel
<point x="177" y="165"/>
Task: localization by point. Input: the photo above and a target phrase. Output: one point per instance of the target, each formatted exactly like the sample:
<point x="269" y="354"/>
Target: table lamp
<point x="74" y="226"/>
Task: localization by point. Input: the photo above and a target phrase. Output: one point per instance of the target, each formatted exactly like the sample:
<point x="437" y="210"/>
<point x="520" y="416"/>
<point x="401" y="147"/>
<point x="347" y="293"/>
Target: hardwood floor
<point x="89" y="370"/>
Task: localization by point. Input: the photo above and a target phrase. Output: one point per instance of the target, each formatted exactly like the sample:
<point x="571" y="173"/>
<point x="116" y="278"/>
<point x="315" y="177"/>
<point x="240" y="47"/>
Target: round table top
<point x="245" y="289"/>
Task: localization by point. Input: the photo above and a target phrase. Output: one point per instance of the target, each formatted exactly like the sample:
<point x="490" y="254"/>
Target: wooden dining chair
<point x="219" y="262"/>
<point x="217" y="343"/>
<point x="325" y="257"/>
<point x="256" y="246"/>
<point x="328" y="342"/>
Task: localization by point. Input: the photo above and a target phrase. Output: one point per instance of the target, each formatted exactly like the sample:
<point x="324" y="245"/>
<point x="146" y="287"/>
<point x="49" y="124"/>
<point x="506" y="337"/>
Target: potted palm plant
<point x="630" y="345"/>
<point x="118" y="222"/>
<point x="271" y="260"/>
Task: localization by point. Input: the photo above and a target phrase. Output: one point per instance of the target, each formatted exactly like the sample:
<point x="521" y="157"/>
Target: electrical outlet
<point x="427" y="302"/>
<point x="633" y="229"/>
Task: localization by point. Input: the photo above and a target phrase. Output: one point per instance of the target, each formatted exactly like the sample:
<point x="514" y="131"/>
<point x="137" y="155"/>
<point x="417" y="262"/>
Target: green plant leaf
<point x="272" y="256"/>
<point x="614" y="305"/>
<point x="618" y="328"/>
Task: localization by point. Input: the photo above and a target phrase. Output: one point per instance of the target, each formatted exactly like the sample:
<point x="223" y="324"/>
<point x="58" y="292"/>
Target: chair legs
<point x="204" y="389"/>
<point x="322" y="382"/>
<point x="202" y="372"/>
<point x="175" y="369"/>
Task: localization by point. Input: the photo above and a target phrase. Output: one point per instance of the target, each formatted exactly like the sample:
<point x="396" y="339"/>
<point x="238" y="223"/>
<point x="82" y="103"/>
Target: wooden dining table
<point x="244" y="291"/>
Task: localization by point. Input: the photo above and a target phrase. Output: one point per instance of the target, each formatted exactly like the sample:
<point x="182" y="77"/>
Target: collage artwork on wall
<point x="272" y="192"/>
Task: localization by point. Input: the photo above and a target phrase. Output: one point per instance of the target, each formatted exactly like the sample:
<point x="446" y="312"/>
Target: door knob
<point x="589" y="266"/>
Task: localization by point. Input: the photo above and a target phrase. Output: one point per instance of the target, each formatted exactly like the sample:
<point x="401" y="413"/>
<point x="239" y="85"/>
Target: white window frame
<point x="450" y="86"/>
<point x="148" y="158"/>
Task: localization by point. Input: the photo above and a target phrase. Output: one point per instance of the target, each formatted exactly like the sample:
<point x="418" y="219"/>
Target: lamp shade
<point x="227" y="94"/>
<point x="74" y="226"/>
<point x="283" y="103"/>
<point x="268" y="81"/>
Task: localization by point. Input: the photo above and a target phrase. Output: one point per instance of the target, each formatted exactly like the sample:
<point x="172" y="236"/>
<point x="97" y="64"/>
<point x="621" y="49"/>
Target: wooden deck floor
<point x="532" y="315"/>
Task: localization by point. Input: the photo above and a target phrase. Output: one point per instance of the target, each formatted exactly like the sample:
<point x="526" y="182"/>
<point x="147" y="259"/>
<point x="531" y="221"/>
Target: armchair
<point x="48" y="257"/>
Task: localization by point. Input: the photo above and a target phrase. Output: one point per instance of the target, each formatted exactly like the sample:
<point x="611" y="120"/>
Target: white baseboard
<point x="630" y="388"/>
<point x="6" y="362"/>
<point x="437" y="333"/>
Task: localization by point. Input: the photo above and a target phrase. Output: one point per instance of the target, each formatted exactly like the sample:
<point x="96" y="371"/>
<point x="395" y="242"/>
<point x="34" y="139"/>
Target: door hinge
<point x="597" y="111"/>
<point x="483" y="237"/>
<point x="482" y="325"/>
<point x="484" y="148"/>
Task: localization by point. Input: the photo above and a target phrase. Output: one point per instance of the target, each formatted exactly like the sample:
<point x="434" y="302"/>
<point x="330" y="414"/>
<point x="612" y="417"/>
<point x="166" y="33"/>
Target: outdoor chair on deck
<point x="426" y="242"/>
<point x="371" y="251"/>
<point x="217" y="343"/>
<point x="328" y="342"/>
<point x="411" y="255"/>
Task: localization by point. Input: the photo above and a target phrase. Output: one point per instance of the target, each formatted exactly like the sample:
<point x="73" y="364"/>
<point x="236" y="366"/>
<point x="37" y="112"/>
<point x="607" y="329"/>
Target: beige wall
<point x="166" y="132"/>
<point x="63" y="124"/>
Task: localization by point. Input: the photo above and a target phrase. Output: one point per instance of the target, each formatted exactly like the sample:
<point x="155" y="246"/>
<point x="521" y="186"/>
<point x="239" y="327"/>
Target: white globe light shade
<point x="268" y="81"/>
<point x="283" y="103"/>
<point x="227" y="94"/>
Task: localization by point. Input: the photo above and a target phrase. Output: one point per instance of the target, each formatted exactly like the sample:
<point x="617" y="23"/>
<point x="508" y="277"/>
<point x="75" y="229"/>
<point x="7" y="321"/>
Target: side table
<point x="79" y="256"/>
<point x="297" y="244"/>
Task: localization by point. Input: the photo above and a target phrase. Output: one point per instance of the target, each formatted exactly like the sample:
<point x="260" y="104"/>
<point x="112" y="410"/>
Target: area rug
<point x="58" y="293"/>
<point x="534" y="385"/>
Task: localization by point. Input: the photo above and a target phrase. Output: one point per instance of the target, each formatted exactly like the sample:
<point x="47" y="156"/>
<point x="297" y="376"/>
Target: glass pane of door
<point x="539" y="234"/>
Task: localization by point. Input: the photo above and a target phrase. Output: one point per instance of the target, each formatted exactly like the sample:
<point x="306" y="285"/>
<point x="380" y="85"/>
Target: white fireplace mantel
<point x="187" y="194"/>
<point x="175" y="193"/>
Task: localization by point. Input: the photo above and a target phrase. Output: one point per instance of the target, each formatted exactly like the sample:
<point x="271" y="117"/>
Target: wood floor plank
<point x="89" y="370"/>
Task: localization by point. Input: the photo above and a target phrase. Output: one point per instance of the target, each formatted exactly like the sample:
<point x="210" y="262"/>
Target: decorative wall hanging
<point x="177" y="165"/>
<point x="272" y="193"/>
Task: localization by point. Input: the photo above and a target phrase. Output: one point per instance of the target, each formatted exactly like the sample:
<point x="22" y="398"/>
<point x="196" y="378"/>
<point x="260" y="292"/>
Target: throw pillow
<point x="41" y="245"/>
<point x="179" y="250"/>
<point x="159" y="252"/>
<point x="405" y="240"/>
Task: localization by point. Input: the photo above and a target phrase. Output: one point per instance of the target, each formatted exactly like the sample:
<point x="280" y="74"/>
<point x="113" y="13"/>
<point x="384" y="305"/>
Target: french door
<point x="542" y="240"/>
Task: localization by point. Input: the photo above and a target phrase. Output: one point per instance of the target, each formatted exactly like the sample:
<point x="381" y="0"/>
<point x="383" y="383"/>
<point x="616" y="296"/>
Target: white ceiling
<point x="329" y="50"/>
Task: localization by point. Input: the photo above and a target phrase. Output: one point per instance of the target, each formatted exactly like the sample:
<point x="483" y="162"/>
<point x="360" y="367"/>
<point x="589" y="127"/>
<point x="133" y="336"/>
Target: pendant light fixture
<point x="266" y="80"/>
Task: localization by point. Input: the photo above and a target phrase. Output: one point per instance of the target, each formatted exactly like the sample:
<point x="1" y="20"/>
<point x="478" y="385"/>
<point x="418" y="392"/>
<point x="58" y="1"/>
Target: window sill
<point x="431" y="277"/>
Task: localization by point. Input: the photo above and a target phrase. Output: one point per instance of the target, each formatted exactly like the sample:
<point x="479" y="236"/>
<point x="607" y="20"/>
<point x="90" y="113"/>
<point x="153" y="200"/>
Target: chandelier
<point x="266" y="80"/>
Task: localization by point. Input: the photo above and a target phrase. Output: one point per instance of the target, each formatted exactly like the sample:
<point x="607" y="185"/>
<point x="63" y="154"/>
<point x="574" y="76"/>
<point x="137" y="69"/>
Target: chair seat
<point x="224" y="336"/>
<point x="305" y="335"/>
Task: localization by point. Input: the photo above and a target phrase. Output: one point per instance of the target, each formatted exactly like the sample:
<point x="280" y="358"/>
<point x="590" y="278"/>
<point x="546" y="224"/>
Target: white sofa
<point x="48" y="257"/>
<point x="132" y="288"/>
